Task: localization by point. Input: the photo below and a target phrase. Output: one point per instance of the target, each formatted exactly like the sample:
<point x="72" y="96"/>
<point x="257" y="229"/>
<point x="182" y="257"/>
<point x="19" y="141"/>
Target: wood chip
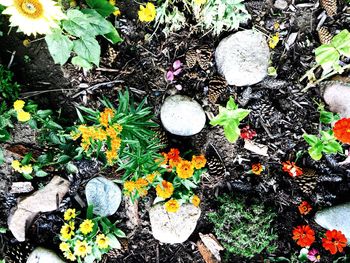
<point x="210" y="248"/>
<point x="256" y="147"/>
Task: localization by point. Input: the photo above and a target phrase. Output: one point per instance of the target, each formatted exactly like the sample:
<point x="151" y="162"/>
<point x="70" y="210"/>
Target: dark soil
<point x="280" y="114"/>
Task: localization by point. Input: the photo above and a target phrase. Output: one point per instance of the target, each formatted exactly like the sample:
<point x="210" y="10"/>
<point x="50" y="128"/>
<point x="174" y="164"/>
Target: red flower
<point x="304" y="208"/>
<point x="257" y="168"/>
<point x="334" y="241"/>
<point x="304" y="235"/>
<point x="173" y="154"/>
<point x="247" y="133"/>
<point x="341" y="130"/>
<point x="292" y="169"/>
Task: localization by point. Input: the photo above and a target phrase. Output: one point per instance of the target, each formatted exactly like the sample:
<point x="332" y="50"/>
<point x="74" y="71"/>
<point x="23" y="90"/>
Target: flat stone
<point x="335" y="217"/>
<point x="243" y="58"/>
<point x="21" y="187"/>
<point x="337" y="96"/>
<point x="46" y="199"/>
<point x="255" y="147"/>
<point x="43" y="255"/>
<point x="180" y="115"/>
<point x="281" y="4"/>
<point x="173" y="227"/>
<point x="104" y="195"/>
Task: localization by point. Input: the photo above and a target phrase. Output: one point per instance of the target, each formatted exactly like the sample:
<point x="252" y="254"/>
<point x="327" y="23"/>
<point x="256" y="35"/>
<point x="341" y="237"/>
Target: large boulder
<point x="337" y="96"/>
<point x="173" y="227"/>
<point x="243" y="58"/>
<point x="43" y="255"/>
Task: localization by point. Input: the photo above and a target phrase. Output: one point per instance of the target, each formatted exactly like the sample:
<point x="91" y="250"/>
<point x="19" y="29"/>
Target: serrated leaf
<point x="113" y="36"/>
<point x="342" y="42"/>
<point x="81" y="63"/>
<point x="88" y="49"/>
<point x="311" y="139"/>
<point x="103" y="7"/>
<point x="60" y="46"/>
<point x="326" y="55"/>
<point x="98" y="22"/>
<point x="77" y="24"/>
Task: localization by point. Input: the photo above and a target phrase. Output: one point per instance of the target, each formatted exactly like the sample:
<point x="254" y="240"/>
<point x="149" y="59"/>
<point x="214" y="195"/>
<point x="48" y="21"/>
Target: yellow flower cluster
<point x="67" y="230"/>
<point x="69" y="214"/>
<point x="172" y="206"/>
<point x="24" y="169"/>
<point x="165" y="189"/>
<point x="108" y="133"/>
<point x="147" y="13"/>
<point x="102" y="241"/>
<point x="273" y="41"/>
<point x="22" y="115"/>
<point x="140" y="185"/>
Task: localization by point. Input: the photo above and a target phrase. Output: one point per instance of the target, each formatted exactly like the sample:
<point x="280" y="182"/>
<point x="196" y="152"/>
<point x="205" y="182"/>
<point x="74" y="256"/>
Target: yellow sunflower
<point x="33" y="16"/>
<point x="86" y="227"/>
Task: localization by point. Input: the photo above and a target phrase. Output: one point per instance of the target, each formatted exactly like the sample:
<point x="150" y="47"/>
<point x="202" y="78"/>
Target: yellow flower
<point x="165" y="189"/>
<point x="198" y="161"/>
<point x="102" y="241"/>
<point x="23" y="116"/>
<point x="26" y="42"/>
<point x="147" y="13"/>
<point x="129" y="186"/>
<point x="69" y="214"/>
<point x="150" y="178"/>
<point x="67" y="230"/>
<point x="117" y="12"/>
<point x="16" y="165"/>
<point x="112" y="2"/>
<point x="185" y="169"/>
<point x="27" y="169"/>
<point x="33" y="16"/>
<point x="195" y="200"/>
<point x="199" y="2"/>
<point x="81" y="248"/>
<point x="75" y="135"/>
<point x="172" y="206"/>
<point x="69" y="255"/>
<point x="86" y="226"/>
<point x="72" y="3"/>
<point x="106" y="116"/>
<point x="64" y="246"/>
<point x="273" y="41"/>
<point x="18" y="105"/>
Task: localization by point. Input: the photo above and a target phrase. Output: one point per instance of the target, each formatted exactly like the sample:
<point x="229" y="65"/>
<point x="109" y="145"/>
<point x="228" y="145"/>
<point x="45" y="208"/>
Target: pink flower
<point x="174" y="70"/>
<point x="313" y="255"/>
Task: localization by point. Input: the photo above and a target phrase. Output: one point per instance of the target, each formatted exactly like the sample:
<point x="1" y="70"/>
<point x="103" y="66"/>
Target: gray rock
<point x="243" y="58"/>
<point x="281" y="4"/>
<point x="46" y="199"/>
<point x="21" y="187"/>
<point x="104" y="195"/>
<point x="335" y="218"/>
<point x="180" y="115"/>
<point x="173" y="227"/>
<point x="337" y="96"/>
<point x="43" y="255"/>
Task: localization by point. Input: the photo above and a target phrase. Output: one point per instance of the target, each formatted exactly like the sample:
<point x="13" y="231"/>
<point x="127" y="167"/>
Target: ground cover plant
<point x="174" y="131"/>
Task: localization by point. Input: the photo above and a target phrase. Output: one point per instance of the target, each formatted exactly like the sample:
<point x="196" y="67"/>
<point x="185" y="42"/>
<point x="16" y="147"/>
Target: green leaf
<point x="316" y="152"/>
<point x="3" y="230"/>
<point x="27" y="176"/>
<point x="238" y="114"/>
<point x="26" y="159"/>
<point x="232" y="133"/>
<point x="44" y="113"/>
<point x="113" y="36"/>
<point x="4" y="135"/>
<point x="119" y="233"/>
<point x="342" y="42"/>
<point x="326" y="117"/>
<point x="96" y="252"/>
<point x="53" y="125"/>
<point x="33" y="124"/>
<point x="231" y="105"/>
<point x="60" y="46"/>
<point x="81" y="63"/>
<point x="103" y="7"/>
<point x="88" y="259"/>
<point x="98" y="22"/>
<point x="88" y="49"/>
<point x="54" y="138"/>
<point x="327" y="135"/>
<point x="63" y="159"/>
<point x="332" y="147"/>
<point x="113" y="242"/>
<point x="311" y="139"/>
<point x="40" y="173"/>
<point x="188" y="184"/>
<point x="326" y="55"/>
<point x="71" y="168"/>
<point x="77" y="24"/>
<point x="90" y="212"/>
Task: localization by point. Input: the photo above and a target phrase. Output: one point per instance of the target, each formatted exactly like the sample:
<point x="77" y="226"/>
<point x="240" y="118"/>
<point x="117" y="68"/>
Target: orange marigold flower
<point x="292" y="169"/>
<point x="150" y="178"/>
<point x="304" y="235"/>
<point x="304" y="208"/>
<point x="106" y="116"/>
<point x="334" y="241"/>
<point x="198" y="161"/>
<point x="111" y="155"/>
<point x="173" y="153"/>
<point x="195" y="200"/>
<point x="141" y="183"/>
<point x="172" y="206"/>
<point x="165" y="189"/>
<point x="341" y="130"/>
<point x="185" y="169"/>
<point x="129" y="186"/>
<point x="257" y="168"/>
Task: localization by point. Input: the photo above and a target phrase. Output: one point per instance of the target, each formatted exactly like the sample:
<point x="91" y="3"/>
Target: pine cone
<point x="324" y="35"/>
<point x="330" y="6"/>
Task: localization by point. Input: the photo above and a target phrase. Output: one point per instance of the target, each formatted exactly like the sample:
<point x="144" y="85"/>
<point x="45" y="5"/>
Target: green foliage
<point x="327" y="117"/>
<point x="9" y="89"/>
<point x="217" y="16"/>
<point x="78" y="35"/>
<point x="230" y="118"/>
<point x="243" y="230"/>
<point x="328" y="55"/>
<point x="326" y="143"/>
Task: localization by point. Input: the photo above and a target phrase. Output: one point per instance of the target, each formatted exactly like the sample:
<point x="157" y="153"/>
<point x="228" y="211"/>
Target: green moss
<point x="243" y="230"/>
<point x="9" y="89"/>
